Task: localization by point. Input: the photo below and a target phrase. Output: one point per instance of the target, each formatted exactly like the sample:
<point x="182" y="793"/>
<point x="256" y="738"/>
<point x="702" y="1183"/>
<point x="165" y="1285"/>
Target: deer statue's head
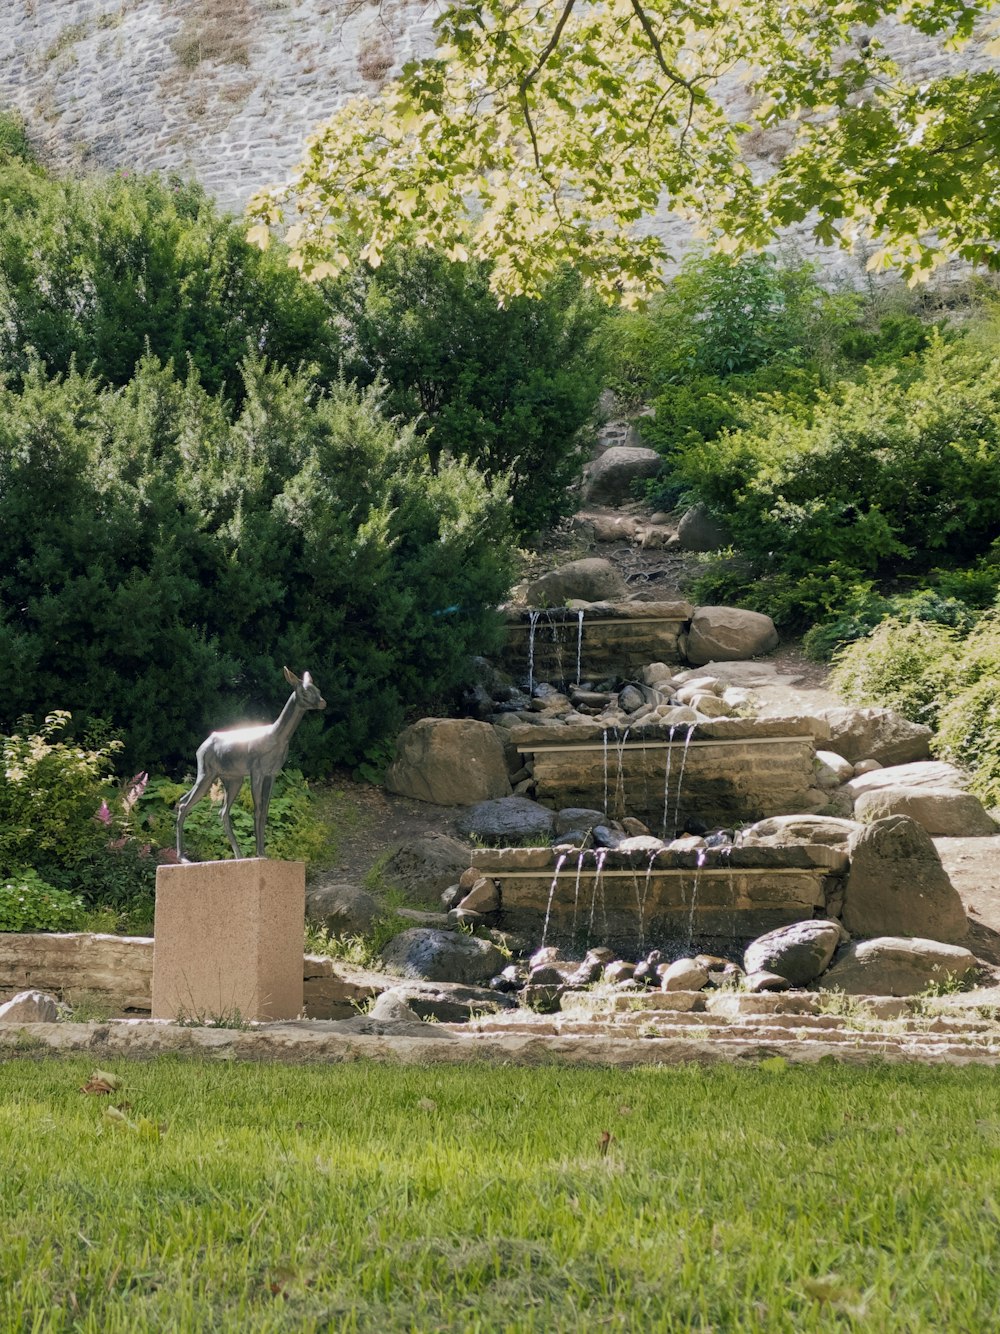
<point x="306" y="694"/>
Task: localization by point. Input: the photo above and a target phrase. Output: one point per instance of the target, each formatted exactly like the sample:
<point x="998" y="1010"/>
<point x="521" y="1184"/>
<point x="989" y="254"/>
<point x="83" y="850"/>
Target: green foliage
<point x="294" y="832"/>
<point x="908" y="666"/>
<point x="884" y="477"/>
<point x="196" y="548"/>
<point x="27" y="903"/>
<point x="536" y="135"/>
<point x="104" y="270"/>
<point x="14" y="141"/>
<point x="51" y="791"/>
<point x="508" y="388"/>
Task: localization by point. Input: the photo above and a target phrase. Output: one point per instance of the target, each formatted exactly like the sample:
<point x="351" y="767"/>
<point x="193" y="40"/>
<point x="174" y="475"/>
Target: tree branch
<point x="550" y="45"/>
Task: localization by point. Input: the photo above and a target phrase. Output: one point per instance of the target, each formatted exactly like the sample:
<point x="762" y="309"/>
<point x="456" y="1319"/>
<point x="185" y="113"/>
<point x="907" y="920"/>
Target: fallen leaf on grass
<point x="142" y="1126"/>
<point x="774" y="1064"/>
<point x="605" y="1143"/>
<point x="100" y="1082"/>
<point x="427" y="1105"/>
<point x="831" y="1290"/>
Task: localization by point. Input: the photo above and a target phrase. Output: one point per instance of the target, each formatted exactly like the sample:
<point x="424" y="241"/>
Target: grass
<point x="362" y="1197"/>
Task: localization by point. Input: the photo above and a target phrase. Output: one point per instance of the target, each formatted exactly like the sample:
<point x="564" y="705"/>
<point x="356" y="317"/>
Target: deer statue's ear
<point x="306" y="679"/>
<point x="291" y="678"/>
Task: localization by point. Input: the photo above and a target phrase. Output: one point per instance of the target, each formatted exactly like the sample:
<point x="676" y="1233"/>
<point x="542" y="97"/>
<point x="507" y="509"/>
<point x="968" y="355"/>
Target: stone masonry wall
<point x="228" y="90"/>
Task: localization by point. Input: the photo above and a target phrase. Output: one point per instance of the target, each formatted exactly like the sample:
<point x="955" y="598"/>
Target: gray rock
<point x="449" y="761"/>
<point x="591" y="580"/>
<point x="784" y="831"/>
<point x="442" y="956"/>
<point x="425" y="867"/>
<point x="943" y="812"/>
<point x="800" y="952"/>
<point x="876" y="734"/>
<point x="764" y="981"/>
<point x="920" y="774"/>
<point x="609" y="478"/>
<point x="342" y="909"/>
<point x="728" y="634"/>
<point x="392" y="1007"/>
<point x="483" y="897"/>
<point x="897" y="886"/>
<point x="577" y="817"/>
<point x="30" y="1007"/>
<point x="509" y="819"/>
<point x="630" y="699"/>
<point x="895" y="966"/>
<point x="699" y="531"/>
<point x="684" y="975"/>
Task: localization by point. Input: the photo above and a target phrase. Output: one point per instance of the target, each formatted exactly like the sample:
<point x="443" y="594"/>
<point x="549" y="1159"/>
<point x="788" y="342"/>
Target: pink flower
<point x="103" y="813"/>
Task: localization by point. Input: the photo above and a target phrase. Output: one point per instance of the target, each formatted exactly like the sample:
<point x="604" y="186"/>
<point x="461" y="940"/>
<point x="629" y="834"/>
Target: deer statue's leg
<point x="232" y="786"/>
<point x="202" y="784"/>
<point x="260" y="786"/>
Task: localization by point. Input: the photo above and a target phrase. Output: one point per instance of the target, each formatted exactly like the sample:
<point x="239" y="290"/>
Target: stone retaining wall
<point x="610" y="640"/>
<point x="727" y="774"/>
<point x="117" y="971"/>
<point x="631" y="902"/>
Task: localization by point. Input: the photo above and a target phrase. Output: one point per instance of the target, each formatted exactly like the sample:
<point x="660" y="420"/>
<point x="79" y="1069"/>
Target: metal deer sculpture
<point x="258" y="752"/>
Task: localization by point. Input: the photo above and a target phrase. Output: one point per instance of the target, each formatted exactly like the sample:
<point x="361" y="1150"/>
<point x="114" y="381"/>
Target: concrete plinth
<point x="228" y="940"/>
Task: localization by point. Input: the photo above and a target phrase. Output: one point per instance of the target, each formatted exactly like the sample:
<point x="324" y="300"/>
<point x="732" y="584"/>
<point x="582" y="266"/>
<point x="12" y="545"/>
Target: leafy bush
<point x="908" y="666"/>
<point x="51" y="791"/>
<point x="969" y="734"/>
<point x="104" y="270"/>
<point x="885" y="477"/>
<point x="294" y="833"/>
<point x="508" y="388"/>
<point x="27" y="903"/>
<point x="196" y="548"/>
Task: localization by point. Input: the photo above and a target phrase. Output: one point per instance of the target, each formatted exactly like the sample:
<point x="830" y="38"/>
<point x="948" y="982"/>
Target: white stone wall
<point x="228" y="90"/>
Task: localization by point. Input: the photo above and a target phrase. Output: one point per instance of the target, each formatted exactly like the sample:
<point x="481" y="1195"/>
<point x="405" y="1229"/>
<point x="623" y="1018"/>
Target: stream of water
<point x="552" y="890"/>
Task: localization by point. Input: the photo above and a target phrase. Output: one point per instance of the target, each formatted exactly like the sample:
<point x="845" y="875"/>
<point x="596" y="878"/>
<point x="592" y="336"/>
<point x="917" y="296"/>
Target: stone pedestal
<point x="228" y="940"/>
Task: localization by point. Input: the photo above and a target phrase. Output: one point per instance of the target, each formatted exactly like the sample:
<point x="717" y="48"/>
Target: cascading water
<point x="604" y="740"/>
<point x="619" y="777"/>
<point x="532" y="627"/>
<point x="579" y="643"/>
<point x="552" y="890"/>
<point x="576" y="887"/>
<point x="666" y="780"/>
<point x="680" y="775"/>
<point x="700" y="862"/>
<point x="642" y="896"/>
<point x="600" y="857"/>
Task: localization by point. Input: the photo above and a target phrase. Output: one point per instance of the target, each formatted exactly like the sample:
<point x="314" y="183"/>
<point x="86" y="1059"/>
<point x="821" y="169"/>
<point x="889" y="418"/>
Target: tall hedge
<point x="162" y="555"/>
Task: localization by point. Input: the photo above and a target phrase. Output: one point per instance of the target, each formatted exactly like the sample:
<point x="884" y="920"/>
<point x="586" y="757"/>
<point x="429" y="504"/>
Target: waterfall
<point x="666" y="780"/>
<point x="619" y="777"/>
<point x="579" y="643"/>
<point x="702" y="852"/>
<point x="552" y="889"/>
<point x="680" y="776"/>
<point x="576" y="887"/>
<point x="532" y="626"/>
<point x="600" y="857"/>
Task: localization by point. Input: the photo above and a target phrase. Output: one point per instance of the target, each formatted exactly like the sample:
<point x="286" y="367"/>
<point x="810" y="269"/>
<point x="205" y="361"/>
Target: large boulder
<point x="424" y="867"/>
<point x="876" y="734"/>
<point x="342" y="909"/>
<point x="449" y="761"/>
<point x="896" y="885"/>
<point x="442" y="956"/>
<point x="728" y="634"/>
<point x="800" y="952"/>
<point x="591" y="580"/>
<point x="921" y="775"/>
<point x="896" y="966"/>
<point x="30" y="1007"/>
<point x="699" y="531"/>
<point x="943" y="812"/>
<point x="508" y="820"/>
<point x="609" y="478"/>
<point x="787" y="831"/>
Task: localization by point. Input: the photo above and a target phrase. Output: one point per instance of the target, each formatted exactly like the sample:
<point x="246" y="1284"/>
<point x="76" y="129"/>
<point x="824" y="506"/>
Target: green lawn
<point x="365" y="1197"/>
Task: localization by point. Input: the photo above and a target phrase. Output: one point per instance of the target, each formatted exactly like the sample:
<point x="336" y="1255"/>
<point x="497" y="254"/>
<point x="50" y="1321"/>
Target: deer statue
<point x="258" y="751"/>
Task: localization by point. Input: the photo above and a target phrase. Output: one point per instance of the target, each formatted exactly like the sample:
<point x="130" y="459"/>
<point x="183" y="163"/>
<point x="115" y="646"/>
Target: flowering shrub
<point x="27" y="903"/>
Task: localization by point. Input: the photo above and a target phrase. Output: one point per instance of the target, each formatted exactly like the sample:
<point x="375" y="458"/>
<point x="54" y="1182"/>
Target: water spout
<point x="666" y="780"/>
<point x="532" y="626"/>
<point x="552" y="890"/>
<point x="700" y="862"/>
<point x="579" y="643"/>
<point x="680" y="776"/>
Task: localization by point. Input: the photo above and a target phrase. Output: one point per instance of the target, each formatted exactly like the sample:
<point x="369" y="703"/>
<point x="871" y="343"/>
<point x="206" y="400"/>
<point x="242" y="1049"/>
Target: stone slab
<point x="228" y="940"/>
